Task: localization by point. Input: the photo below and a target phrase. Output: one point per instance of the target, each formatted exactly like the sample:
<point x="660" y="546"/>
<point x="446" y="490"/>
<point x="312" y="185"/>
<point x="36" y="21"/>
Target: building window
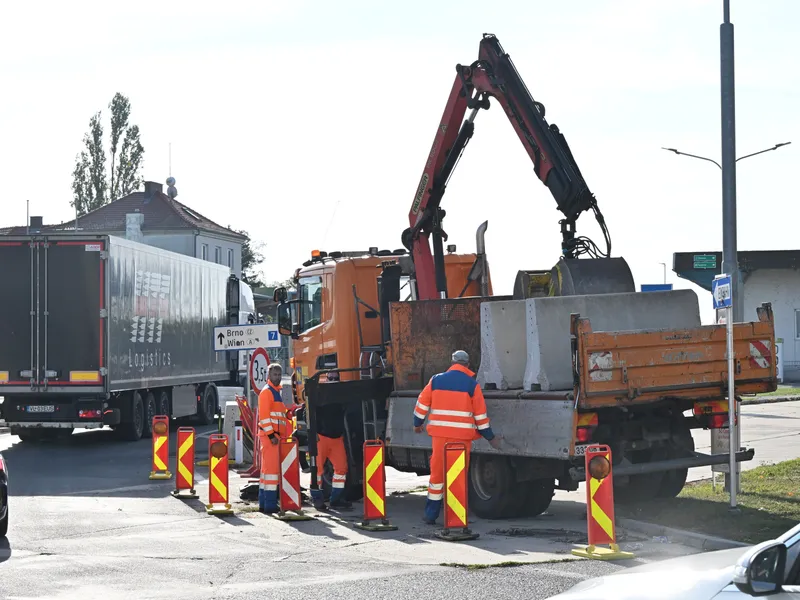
<point x="230" y="258"/>
<point x="797" y="324"/>
<point x="218" y="255"/>
<point x="204" y="251"/>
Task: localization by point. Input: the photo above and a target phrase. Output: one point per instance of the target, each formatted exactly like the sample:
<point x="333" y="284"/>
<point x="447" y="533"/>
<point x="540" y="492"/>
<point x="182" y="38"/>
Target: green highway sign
<point x="705" y="261"/>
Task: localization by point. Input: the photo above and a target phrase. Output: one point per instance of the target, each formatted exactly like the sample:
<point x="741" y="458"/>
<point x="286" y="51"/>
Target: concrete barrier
<point x="549" y="359"/>
<point x="503" y="345"/>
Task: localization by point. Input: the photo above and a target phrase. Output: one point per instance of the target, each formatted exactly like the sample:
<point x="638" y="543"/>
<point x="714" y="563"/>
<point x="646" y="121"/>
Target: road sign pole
<point x="733" y="445"/>
<point x="247" y="378"/>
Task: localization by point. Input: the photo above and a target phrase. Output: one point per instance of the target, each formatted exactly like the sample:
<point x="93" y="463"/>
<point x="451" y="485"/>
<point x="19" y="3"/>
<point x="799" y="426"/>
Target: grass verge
<point x="769" y="502"/>
<point x="783" y="390"/>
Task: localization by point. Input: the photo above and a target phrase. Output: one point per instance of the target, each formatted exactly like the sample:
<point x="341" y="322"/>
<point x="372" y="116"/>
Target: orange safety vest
<point x="272" y="412"/>
<point x="456" y="406"/>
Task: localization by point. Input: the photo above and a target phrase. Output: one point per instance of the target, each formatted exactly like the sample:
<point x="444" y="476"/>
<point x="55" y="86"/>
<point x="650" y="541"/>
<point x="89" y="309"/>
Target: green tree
<point x="91" y="186"/>
<point x="251" y="261"/>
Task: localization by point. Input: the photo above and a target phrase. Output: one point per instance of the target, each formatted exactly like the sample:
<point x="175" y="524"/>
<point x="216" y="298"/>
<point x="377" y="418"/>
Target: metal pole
<point x="664" y="266"/>
<point x="732" y="425"/>
<point x="730" y="262"/>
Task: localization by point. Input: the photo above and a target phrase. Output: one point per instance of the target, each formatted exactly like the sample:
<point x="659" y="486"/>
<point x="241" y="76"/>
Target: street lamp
<point x="775" y="147"/>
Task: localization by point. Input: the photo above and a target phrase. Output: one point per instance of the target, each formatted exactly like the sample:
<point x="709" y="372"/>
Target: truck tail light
<point x="3" y="465"/>
<point x="90" y="413"/>
<point x="712" y="414"/>
<point x="587" y="423"/>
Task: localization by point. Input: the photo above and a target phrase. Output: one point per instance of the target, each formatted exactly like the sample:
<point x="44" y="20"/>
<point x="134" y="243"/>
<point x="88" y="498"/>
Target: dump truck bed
<point x="614" y="368"/>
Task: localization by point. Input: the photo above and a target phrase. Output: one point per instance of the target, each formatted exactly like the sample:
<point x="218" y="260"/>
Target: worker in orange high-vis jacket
<point x="456" y="411"/>
<point x="272" y="426"/>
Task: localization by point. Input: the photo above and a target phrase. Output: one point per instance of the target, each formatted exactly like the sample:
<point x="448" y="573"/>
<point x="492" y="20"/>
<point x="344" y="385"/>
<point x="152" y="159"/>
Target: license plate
<point x="581" y="450"/>
<point x="42" y="408"/>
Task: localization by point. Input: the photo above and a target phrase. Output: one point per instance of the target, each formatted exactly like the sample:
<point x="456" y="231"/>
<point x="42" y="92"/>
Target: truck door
<point x="53" y="319"/>
<point x="17" y="325"/>
<point x="72" y="330"/>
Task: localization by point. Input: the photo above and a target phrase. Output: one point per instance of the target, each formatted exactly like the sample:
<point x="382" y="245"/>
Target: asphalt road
<point x="87" y="523"/>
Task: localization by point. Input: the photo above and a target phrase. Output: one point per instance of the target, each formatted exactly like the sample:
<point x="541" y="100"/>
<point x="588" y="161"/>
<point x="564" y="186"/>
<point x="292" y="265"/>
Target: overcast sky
<point x="308" y="122"/>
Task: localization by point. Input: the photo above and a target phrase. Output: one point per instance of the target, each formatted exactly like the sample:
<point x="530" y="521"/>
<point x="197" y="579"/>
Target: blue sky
<point x="308" y="122"/>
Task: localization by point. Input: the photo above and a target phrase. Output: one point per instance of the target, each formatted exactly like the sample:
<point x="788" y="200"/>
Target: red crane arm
<point x="494" y="75"/>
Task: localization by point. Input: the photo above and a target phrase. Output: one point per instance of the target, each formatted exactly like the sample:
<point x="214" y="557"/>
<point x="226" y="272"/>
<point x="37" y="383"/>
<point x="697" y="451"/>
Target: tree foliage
<point x="251" y="261"/>
<point x="92" y="186"/>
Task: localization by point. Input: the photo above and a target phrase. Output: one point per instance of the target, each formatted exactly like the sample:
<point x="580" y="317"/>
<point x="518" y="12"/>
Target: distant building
<point x="152" y="217"/>
<point x="767" y="276"/>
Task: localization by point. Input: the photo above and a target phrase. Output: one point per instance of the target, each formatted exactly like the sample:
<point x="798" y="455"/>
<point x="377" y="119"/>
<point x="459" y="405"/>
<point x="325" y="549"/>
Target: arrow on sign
<point x="221" y="338"/>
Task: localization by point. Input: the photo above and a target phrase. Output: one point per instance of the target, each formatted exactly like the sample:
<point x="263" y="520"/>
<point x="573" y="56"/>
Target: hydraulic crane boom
<point x="494" y="75"/>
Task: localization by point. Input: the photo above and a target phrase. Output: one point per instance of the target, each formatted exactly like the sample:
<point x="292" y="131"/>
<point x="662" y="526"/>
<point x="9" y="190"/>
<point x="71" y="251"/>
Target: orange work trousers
<point x="436" y="481"/>
<point x="332" y="449"/>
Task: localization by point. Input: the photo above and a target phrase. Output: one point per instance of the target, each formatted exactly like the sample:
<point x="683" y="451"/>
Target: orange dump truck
<point x="642" y="391"/>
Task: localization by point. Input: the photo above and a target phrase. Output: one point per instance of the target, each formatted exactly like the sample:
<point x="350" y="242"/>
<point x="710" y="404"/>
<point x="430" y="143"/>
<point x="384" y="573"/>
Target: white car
<point x="768" y="569"/>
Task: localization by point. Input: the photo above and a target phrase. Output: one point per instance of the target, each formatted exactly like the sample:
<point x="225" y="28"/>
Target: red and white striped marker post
<point x="289" y="498"/>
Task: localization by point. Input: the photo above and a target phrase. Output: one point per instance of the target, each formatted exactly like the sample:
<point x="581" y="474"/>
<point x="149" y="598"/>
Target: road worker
<point x="272" y="426"/>
<point x="330" y="446"/>
<point x="454" y="402"/>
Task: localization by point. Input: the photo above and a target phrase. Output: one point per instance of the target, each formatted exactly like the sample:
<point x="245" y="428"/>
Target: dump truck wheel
<point x="682" y="445"/>
<point x="538" y="495"/>
<point x="491" y="486"/>
<point x="163" y="404"/>
<point x="31" y="436"/>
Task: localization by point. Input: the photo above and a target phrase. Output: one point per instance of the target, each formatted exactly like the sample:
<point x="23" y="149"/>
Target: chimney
<point x="36" y="224"/>
<point x="133" y="227"/>
<point x="151" y="188"/>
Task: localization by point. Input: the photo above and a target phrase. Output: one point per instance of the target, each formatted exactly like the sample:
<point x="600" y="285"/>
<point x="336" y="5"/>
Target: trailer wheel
<point x="208" y="406"/>
<point x="163" y="403"/>
<point x="491" y="486"/>
<point x="132" y="429"/>
<point x="149" y="413"/>
<point x="31" y="436"/>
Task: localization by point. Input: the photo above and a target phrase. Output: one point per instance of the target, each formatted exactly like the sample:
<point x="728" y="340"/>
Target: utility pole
<point x="730" y="260"/>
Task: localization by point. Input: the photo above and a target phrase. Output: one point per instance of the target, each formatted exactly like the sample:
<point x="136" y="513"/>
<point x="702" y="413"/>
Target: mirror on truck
<point x="279" y="295"/>
<point x="287" y="322"/>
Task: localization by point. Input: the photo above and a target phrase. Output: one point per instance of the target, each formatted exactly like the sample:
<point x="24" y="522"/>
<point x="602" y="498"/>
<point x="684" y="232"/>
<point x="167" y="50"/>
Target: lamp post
<point x="664" y="266"/>
<point x="730" y="263"/>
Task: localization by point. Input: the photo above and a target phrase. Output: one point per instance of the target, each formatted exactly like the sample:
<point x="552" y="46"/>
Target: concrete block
<point x="503" y="345"/>
<point x="549" y="358"/>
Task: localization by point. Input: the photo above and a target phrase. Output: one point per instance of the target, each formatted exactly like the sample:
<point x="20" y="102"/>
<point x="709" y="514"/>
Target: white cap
<point x="459" y="356"/>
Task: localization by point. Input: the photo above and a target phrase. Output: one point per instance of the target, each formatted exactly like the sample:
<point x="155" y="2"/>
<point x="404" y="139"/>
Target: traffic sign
<point x="259" y="369"/>
<point x="246" y="337"/>
<point x="721" y="291"/>
<point x="704" y="261"/>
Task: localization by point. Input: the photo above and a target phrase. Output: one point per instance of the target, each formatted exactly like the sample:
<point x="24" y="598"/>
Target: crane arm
<point x="494" y="75"/>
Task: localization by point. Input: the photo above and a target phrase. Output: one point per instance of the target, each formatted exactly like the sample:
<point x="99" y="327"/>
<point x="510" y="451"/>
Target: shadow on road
<point x="5" y="550"/>
<point x="94" y="463"/>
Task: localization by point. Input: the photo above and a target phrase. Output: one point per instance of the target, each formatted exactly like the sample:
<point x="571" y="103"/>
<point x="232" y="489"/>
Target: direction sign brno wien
<point x="721" y="291"/>
<point x="246" y="337"/>
<point x="259" y="370"/>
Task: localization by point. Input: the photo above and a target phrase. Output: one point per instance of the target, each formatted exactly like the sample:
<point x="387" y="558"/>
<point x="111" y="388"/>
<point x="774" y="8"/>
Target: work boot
<point x="428" y="521"/>
<point x="318" y="500"/>
<point x="341" y="504"/>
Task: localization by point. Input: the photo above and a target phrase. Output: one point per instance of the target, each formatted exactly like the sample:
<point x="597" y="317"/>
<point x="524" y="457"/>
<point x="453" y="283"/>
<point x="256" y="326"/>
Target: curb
<point x="701" y="541"/>
<point x="770" y="400"/>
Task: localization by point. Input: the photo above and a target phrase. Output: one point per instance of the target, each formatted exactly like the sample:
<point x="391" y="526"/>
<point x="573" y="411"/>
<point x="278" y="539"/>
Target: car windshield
<point x="310" y="296"/>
